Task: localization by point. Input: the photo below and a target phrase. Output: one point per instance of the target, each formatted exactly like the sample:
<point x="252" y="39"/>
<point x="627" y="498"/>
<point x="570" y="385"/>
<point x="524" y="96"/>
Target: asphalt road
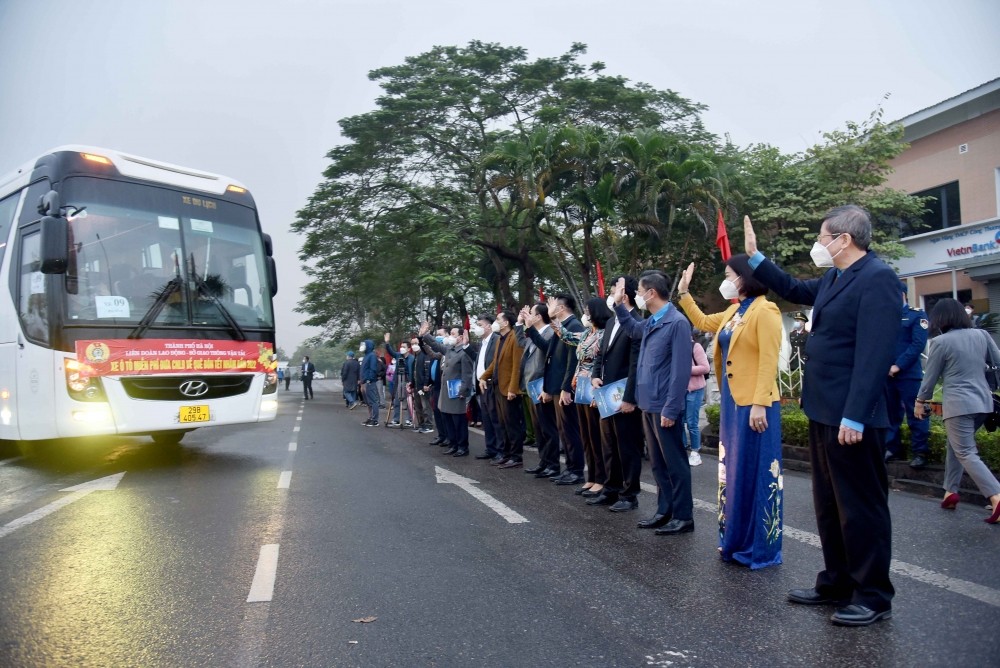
<point x="322" y="522"/>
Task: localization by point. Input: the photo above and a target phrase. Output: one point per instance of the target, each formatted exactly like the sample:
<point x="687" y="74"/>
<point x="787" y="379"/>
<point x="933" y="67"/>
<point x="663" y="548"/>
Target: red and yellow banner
<point x="131" y="357"/>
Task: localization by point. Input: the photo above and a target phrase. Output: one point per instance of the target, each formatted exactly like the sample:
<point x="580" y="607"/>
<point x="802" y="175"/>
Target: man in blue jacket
<point x="847" y="359"/>
<point x="369" y="379"/>
<point x="905" y="375"/>
<point x="662" y="374"/>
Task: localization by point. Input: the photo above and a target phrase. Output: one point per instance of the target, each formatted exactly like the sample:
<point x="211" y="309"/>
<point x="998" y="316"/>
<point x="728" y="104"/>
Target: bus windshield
<point x="198" y="259"/>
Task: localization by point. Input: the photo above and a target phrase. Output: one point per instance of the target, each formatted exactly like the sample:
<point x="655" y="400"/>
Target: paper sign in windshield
<point x="111" y="307"/>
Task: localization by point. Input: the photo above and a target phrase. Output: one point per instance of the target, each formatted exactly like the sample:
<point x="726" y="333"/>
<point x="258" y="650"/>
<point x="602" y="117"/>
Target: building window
<point x="964" y="296"/>
<point x="944" y="209"/>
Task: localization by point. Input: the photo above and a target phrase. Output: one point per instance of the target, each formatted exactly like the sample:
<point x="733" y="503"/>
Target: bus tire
<point x="168" y="437"/>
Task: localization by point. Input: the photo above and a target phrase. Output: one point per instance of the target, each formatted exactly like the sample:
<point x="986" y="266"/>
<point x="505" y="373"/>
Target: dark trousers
<point x="590" y="431"/>
<point x="512" y="426"/>
<point x="307" y="386"/>
<point x="622" y="446"/>
<point x="669" y="462"/>
<point x="547" y="437"/>
<point x="371" y="397"/>
<point x="458" y="430"/>
<point x="491" y="420"/>
<point x="422" y="406"/>
<point x="902" y="395"/>
<point x="851" y="496"/>
<point x="569" y="431"/>
<point x="288" y="380"/>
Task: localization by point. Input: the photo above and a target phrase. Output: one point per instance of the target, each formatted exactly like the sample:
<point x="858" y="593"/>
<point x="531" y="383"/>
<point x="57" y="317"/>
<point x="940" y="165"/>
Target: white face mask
<point x="361" y="348"/>
<point x="415" y="348"/>
<point x="640" y="302"/>
<point x="820" y="254"/>
<point x="477" y="330"/>
<point x="797" y="325"/>
<point x="968" y="311"/>
<point x="402" y="350"/>
<point x="495" y="327"/>
<point x="450" y="341"/>
<point x="610" y="302"/>
<point x="587" y="322"/>
<point x="729" y="290"/>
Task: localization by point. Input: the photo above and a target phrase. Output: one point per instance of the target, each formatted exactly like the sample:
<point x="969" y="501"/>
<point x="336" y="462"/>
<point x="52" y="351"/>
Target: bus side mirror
<point x="55" y="245"/>
<point x="268" y="245"/>
<point x="272" y="275"/>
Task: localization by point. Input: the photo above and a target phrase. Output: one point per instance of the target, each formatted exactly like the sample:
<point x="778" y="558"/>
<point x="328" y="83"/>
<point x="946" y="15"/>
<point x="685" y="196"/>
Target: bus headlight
<point x="80" y="386"/>
<point x="268" y="406"/>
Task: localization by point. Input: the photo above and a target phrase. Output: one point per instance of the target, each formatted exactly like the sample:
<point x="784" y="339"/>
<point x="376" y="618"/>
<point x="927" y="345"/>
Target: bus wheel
<point x="168" y="437"/>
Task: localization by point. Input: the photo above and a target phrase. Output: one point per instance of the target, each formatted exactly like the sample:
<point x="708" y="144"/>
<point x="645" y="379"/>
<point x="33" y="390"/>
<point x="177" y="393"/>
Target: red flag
<point x="498" y="309"/>
<point x="600" y="280"/>
<point x="466" y="323"/>
<point x="541" y="295"/>
<point x="722" y="239"/>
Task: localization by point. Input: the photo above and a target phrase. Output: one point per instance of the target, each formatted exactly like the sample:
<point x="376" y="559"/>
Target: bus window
<point x="7" y="207"/>
<point x="32" y="307"/>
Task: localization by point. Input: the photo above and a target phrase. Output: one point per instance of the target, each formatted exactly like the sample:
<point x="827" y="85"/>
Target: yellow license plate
<point x="194" y="414"/>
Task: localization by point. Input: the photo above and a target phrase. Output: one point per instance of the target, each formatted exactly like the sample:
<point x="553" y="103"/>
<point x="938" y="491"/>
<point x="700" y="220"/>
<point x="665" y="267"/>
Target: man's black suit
<point x="847" y="359"/>
<point x="560" y="367"/>
<point x="621" y="434"/>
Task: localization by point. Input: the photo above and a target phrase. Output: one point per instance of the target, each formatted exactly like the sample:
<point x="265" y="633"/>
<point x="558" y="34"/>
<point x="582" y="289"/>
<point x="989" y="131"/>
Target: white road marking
<point x="296" y="428"/>
<point x="293" y="446"/>
<point x="446" y="477"/>
<point x="262" y="589"/>
<point x="298" y="418"/>
<point x="105" y="484"/>
<point x="284" y="480"/>
<point x="972" y="590"/>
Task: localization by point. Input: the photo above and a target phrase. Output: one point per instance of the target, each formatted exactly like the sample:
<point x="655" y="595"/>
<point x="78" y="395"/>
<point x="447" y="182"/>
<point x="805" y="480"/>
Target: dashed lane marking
<point x="262" y="588"/>
<point x="293" y="446"/>
<point x="284" y="480"/>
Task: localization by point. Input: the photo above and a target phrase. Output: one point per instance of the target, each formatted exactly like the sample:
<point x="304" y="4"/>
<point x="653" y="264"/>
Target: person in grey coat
<point x="959" y="356"/>
<point x="350" y="378"/>
<point x="456" y="366"/>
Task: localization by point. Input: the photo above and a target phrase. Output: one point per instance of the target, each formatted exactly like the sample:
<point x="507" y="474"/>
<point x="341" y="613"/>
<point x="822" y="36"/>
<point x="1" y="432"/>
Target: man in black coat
<point x="560" y="367"/>
<point x="621" y="434"/>
<point x="850" y="348"/>
<point x="308" y="369"/>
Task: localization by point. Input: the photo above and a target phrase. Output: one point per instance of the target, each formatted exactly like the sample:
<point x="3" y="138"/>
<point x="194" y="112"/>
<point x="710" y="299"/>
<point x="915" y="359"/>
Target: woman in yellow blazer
<point x="747" y="339"/>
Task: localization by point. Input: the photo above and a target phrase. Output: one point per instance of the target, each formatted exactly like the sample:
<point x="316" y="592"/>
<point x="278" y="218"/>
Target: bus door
<point x="35" y="363"/>
<point x="8" y="326"/>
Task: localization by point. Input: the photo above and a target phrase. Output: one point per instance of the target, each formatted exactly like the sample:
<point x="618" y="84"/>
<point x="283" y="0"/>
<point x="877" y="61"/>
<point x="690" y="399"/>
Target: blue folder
<point x="609" y="397"/>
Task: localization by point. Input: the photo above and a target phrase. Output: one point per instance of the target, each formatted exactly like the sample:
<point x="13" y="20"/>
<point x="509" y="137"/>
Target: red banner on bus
<point x="131" y="357"/>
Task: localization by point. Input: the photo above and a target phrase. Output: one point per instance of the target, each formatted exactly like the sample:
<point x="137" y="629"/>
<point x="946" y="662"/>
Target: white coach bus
<point x="135" y="298"/>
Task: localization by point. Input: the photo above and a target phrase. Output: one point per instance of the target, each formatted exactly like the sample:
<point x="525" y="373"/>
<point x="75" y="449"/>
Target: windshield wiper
<point x="172" y="286"/>
<point x="204" y="290"/>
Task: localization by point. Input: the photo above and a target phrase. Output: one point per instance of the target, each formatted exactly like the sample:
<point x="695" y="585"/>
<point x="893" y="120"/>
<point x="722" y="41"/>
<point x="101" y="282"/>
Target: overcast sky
<point x="254" y="89"/>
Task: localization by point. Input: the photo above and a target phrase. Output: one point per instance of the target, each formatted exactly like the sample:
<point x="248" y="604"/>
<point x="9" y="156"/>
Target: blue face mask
<point x="439" y="339"/>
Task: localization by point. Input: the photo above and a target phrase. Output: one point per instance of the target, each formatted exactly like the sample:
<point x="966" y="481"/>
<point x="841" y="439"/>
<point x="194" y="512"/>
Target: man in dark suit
<point x="621" y="434"/>
<point x="535" y="336"/>
<point x="308" y="369"/>
<point x="560" y="367"/>
<point x="847" y="358"/>
<point x="482" y="354"/>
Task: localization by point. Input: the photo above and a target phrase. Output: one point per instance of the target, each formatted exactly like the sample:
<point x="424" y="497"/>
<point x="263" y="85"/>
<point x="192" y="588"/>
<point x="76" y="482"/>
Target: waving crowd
<point x="599" y="393"/>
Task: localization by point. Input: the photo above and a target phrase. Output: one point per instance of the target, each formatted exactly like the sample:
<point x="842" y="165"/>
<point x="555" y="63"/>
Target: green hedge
<point x="795" y="431"/>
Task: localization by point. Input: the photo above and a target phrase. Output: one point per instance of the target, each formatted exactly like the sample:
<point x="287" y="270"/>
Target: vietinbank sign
<point x="973" y="249"/>
<point x="934" y="250"/>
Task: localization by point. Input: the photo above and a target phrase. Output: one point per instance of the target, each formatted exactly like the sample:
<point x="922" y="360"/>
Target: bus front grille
<point x="171" y="388"/>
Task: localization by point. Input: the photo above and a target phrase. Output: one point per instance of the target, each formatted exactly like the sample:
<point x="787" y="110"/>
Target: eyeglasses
<point x="820" y="238"/>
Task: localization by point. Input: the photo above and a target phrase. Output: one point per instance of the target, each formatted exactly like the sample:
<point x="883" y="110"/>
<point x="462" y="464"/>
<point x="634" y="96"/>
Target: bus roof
<point x="130" y="165"/>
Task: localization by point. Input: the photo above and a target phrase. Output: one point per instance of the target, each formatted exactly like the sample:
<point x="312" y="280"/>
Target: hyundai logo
<point x="193" y="388"/>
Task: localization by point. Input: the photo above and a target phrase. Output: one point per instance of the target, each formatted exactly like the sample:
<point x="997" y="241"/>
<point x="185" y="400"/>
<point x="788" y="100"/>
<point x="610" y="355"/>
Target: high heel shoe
<point x="995" y="517"/>
<point x="950" y="501"/>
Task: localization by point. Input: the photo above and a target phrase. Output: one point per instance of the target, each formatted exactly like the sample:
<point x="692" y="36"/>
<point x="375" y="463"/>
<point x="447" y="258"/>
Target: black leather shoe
<point x="589" y="493"/>
<point x="450" y="451"/>
<point x="498" y="460"/>
<point x="547" y="473"/>
<point x="858" y="615"/>
<point x="812" y="597"/>
<point x="484" y="455"/>
<point x="603" y="499"/>
<point x="510" y="464"/>
<point x="534" y="469"/>
<point x="461" y="453"/>
<point x="445" y="444"/>
<point x="675" y="526"/>
<point x="581" y="491"/>
<point x="571" y="479"/>
<point x="654" y="522"/>
<point x="436" y="441"/>
<point x="624" y="505"/>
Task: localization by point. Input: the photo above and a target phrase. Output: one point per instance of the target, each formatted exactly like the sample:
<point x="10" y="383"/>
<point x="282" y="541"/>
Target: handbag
<point x="992" y="421"/>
